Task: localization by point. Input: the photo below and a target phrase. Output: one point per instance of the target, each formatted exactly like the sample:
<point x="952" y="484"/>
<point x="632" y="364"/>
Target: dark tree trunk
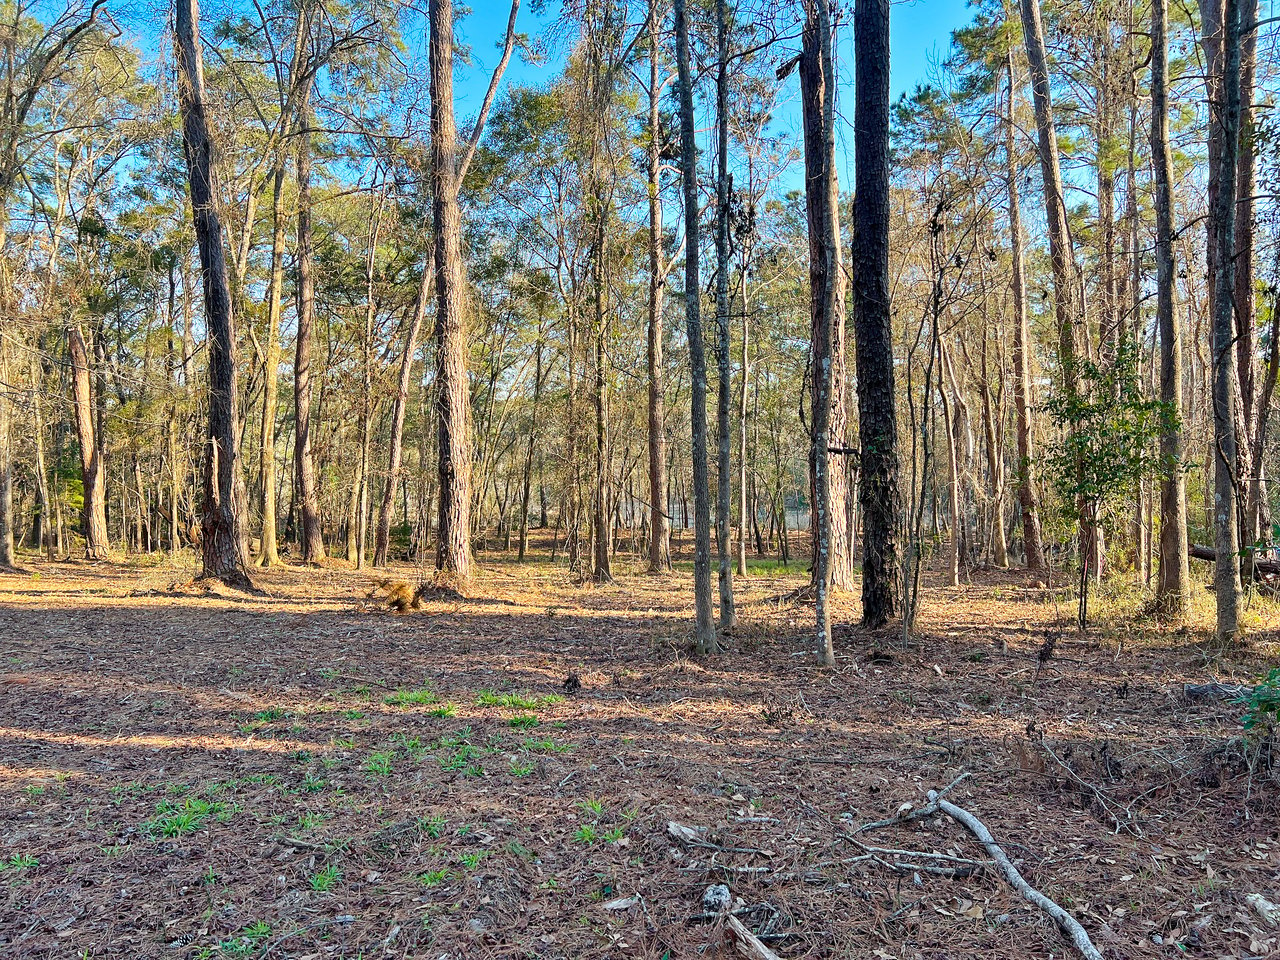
<point x="223" y="548"/>
<point x="873" y="332"/>
<point x="304" y="464"/>
<point x="705" y="637"/>
<point x="724" y="463"/>
<point x="1224" y="126"/>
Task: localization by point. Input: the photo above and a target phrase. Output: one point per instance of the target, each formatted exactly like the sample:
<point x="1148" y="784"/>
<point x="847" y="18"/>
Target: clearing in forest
<point x="544" y="771"/>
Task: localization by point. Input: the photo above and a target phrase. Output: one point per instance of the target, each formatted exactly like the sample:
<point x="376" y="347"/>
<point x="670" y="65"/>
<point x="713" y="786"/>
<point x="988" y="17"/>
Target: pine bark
<point x="223" y="547"/>
<point x="659" y="520"/>
<point x="307" y="494"/>
<point x="873" y="332"/>
<point x="724" y="462"/>
<point x="94" y="517"/>
<point x="1224" y="126"/>
<point x="1173" y="584"/>
<point x="268" y="553"/>
<point x="705" y="632"/>
<point x="453" y="409"/>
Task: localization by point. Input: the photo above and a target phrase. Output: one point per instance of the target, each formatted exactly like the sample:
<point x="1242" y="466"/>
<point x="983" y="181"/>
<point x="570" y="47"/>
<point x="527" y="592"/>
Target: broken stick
<point x="1068" y="924"/>
<point x="749" y="945"/>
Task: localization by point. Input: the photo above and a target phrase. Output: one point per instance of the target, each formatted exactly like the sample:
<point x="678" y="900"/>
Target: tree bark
<point x="453" y="409"/>
<point x="304" y="464"/>
<point x="224" y="551"/>
<point x="1173" y="584"/>
<point x="660" y="521"/>
<point x="92" y="475"/>
<point x="705" y="636"/>
<point x="413" y="325"/>
<point x="1224" y="126"/>
<point x="268" y="553"/>
<point x="873" y="331"/>
<point x="724" y="464"/>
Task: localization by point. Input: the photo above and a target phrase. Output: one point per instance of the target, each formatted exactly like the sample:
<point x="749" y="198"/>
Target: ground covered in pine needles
<point x="305" y="774"/>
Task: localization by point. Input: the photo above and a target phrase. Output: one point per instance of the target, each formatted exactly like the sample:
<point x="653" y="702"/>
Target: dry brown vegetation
<point x="308" y="774"/>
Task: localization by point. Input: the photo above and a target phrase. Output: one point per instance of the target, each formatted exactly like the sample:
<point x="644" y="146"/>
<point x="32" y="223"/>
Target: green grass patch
<point x="517" y="701"/>
<point x="410" y="698"/>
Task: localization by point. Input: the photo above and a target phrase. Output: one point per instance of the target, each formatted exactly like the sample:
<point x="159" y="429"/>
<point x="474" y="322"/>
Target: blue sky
<point x="919" y="35"/>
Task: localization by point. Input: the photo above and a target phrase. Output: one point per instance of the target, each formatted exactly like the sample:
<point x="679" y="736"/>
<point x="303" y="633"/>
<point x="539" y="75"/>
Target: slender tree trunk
<point x="745" y="514"/>
<point x="1173" y="586"/>
<point x="453" y="409"/>
<point x="91" y="472"/>
<point x="1061" y="251"/>
<point x="724" y="386"/>
<point x="413" y="325"/>
<point x="660" y="522"/>
<point x="705" y="637"/>
<point x="817" y="91"/>
<point x="950" y="422"/>
<point x="1246" y="313"/>
<point x="6" y="460"/>
<point x="873" y="331"/>
<point x="268" y="553"/>
<point x="995" y="467"/>
<point x="45" y="531"/>
<point x="527" y="480"/>
<point x="304" y="464"/>
<point x="1225" y="127"/>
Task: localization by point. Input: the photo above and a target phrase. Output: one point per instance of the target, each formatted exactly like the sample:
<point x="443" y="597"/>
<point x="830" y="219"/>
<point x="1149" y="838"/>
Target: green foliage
<point x="19" y="861"/>
<point x="433" y="878"/>
<point x="408" y="698"/>
<point x="522" y="768"/>
<point x="322" y="881"/>
<point x="379" y="764"/>
<point x="516" y="701"/>
<point x="1109" y="430"/>
<point x="174" y="819"/>
<point x="432" y="826"/>
<point x="1262" y="705"/>
<point x="523" y="721"/>
<point x="248" y="942"/>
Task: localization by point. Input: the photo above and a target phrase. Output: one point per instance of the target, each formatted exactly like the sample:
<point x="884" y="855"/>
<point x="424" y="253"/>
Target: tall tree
<point x="659" y="520"/>
<point x="307" y="493"/>
<point x="1027" y="500"/>
<point x="1174" y="580"/>
<point x="223" y="549"/>
<point x="453" y="406"/>
<point x="1224" y="127"/>
<point x="705" y="636"/>
<point x="873" y="331"/>
<point x="92" y="469"/>
<point x="724" y="186"/>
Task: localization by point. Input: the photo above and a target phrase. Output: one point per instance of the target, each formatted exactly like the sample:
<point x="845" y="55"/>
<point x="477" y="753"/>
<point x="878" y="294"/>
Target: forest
<point x="639" y="478"/>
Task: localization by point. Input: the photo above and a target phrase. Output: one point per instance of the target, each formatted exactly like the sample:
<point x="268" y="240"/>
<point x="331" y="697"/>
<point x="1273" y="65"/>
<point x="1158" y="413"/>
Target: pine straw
<point x="121" y="695"/>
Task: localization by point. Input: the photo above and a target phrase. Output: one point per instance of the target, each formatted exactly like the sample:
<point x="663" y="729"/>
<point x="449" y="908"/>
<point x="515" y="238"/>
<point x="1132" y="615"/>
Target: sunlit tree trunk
<point x="92" y="475"/>
<point x="453" y="408"/>
<point x="268" y="553"/>
<point x="224" y="551"/>
<point x="1173" y="584"/>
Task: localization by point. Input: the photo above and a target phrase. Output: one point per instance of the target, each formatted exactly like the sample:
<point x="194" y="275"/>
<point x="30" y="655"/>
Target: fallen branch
<point x="748" y="944"/>
<point x="1215" y="691"/>
<point x="1260" y="567"/>
<point x="1068" y="924"/>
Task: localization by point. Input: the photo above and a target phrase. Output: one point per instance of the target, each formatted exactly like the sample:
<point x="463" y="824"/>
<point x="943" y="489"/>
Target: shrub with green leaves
<point x="1262" y="704"/>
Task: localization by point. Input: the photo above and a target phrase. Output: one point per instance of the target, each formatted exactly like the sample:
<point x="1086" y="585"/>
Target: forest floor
<point x="304" y="774"/>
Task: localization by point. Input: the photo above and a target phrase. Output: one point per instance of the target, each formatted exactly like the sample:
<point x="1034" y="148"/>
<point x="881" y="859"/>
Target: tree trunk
<point x="660" y="521"/>
<point x="527" y="479"/>
<point x="724" y="386"/>
<point x="746" y="515"/>
<point x="873" y="331"/>
<point x="94" y="521"/>
<point x="1173" y="585"/>
<point x="268" y="553"/>
<point x="304" y="464"/>
<point x="1061" y="251"/>
<point x="453" y="408"/>
<point x="1246" y="313"/>
<point x="817" y="91"/>
<point x="705" y="637"/>
<point x="224" y="552"/>
<point x="1224" y="126"/>
<point x="382" y="537"/>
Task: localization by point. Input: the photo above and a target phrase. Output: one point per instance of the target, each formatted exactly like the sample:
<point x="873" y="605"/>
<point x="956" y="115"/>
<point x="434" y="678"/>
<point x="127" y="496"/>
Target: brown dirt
<point x="127" y="704"/>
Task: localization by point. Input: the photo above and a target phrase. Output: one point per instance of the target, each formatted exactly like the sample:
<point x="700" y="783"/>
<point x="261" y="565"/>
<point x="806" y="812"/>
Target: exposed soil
<point x="305" y="774"/>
